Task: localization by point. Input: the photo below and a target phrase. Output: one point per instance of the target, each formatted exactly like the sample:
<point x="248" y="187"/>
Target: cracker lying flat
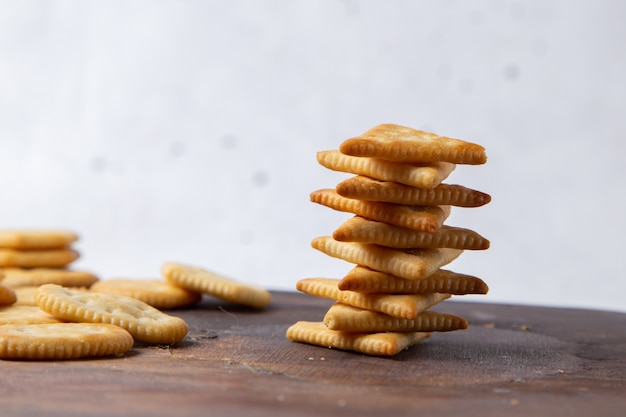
<point x="399" y="143"/>
<point x="7" y="296"/>
<point x="22" y="314"/>
<point x="22" y="277"/>
<point x="364" y="188"/>
<point x="407" y="263"/>
<point x="45" y="258"/>
<point x="374" y="344"/>
<point x="353" y="319"/>
<point x="360" y="229"/>
<point x="402" y="306"/>
<point x="61" y="341"/>
<point x="421" y="176"/>
<point x="423" y="218"/>
<point x="216" y="285"/>
<point x="36" y="239"/>
<point x="157" y="293"/>
<point x="144" y="322"/>
<point x="367" y="280"/>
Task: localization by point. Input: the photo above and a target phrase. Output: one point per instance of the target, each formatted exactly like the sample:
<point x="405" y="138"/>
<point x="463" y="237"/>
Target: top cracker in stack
<point x="397" y="240"/>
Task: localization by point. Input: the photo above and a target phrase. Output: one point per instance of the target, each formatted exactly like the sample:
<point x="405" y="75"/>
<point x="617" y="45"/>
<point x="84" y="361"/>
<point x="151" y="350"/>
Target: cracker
<point x="36" y="239"/>
<point x="405" y="306"/>
<point x="144" y="322"/>
<point x="158" y="293"/>
<point x="62" y="341"/>
<point x="406" y="263"/>
<point x="25" y="295"/>
<point x="360" y="229"/>
<point x="353" y="319"/>
<point x="374" y="344"/>
<point x="367" y="280"/>
<point x="22" y="277"/>
<point x="216" y="285"/>
<point x="7" y="296"/>
<point x="45" y="258"/>
<point x="369" y="189"/>
<point x="421" y="176"/>
<point x="423" y="218"/>
<point x="23" y="314"/>
<point x="399" y="143"/>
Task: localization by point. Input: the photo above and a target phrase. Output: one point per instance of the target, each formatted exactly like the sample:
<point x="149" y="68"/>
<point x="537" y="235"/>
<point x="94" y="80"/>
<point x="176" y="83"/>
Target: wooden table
<point x="512" y="360"/>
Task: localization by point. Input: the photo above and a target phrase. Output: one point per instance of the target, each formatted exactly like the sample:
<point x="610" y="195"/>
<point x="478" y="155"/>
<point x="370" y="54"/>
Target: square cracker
<point x="399" y="143"/>
<point x="374" y="344"/>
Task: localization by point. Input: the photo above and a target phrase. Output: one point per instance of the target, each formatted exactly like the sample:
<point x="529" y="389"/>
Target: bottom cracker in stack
<point x="397" y="240"/>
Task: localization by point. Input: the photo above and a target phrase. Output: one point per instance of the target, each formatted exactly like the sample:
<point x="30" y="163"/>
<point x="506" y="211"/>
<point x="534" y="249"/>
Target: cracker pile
<point x="397" y="239"/>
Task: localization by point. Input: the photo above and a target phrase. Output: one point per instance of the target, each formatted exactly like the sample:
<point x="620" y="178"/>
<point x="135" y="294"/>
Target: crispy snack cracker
<point x="353" y="319"/>
<point x="374" y="344"/>
<point x="25" y="295"/>
<point x="210" y="283"/>
<point x="44" y="258"/>
<point x="23" y="277"/>
<point x="367" y="280"/>
<point x="23" y="314"/>
<point x="369" y="189"/>
<point x="421" y="176"/>
<point x="407" y="263"/>
<point x="424" y="218"/>
<point x="158" y="293"/>
<point x="7" y="296"/>
<point x="36" y="239"/>
<point x="61" y="341"/>
<point x="404" y="144"/>
<point x="402" y="306"/>
<point x="144" y="322"/>
<point x="362" y="230"/>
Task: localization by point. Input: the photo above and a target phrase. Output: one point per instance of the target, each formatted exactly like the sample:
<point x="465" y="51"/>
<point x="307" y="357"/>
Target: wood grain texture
<point x="512" y="360"/>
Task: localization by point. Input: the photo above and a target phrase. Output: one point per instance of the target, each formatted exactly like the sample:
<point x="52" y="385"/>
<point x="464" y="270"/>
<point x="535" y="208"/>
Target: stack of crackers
<point x="397" y="240"/>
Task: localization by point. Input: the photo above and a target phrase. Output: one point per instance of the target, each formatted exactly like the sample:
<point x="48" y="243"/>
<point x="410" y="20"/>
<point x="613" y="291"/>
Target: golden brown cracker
<point x="155" y="292"/>
<point x="367" y="280"/>
<point x="44" y="258"/>
<point x="216" y="285"/>
<point x="421" y="176"/>
<point x="353" y="319"/>
<point x="36" y="239"/>
<point x="62" y="341"/>
<point x="144" y="322"/>
<point x="402" y="306"/>
<point x="399" y="143"/>
<point x="407" y="263"/>
<point x="369" y="189"/>
<point x="25" y="277"/>
<point x="362" y="230"/>
<point x="25" y="295"/>
<point x="7" y="296"/>
<point x="423" y="218"/>
<point x="25" y="314"/>
<point x="374" y="344"/>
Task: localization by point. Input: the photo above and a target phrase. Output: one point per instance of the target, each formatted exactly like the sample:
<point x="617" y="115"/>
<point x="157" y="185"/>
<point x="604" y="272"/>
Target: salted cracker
<point x="37" y="258"/>
<point x="26" y="277"/>
<point x="36" y="239"/>
<point x="155" y="292"/>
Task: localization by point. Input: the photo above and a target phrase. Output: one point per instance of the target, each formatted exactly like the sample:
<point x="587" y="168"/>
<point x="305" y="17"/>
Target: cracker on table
<point x="62" y="341"/>
<point x="399" y="143"/>
<point x="354" y="319"/>
<point x="362" y="230"/>
<point x="216" y="285"/>
<point x="423" y="218"/>
<point x="39" y="258"/>
<point x="25" y="314"/>
<point x="421" y="176"/>
<point x="404" y="263"/>
<point x="144" y="322"/>
<point x="405" y="306"/>
<point x="363" y="188"/>
<point x="158" y="293"/>
<point x="374" y="344"/>
<point x="36" y="239"/>
<point x="367" y="280"/>
<point x="25" y="277"/>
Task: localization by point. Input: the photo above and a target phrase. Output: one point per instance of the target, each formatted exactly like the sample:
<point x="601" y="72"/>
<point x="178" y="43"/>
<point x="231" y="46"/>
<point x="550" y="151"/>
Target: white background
<point x="187" y="131"/>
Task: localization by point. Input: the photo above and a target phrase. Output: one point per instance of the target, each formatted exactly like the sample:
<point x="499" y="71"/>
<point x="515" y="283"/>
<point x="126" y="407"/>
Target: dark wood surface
<point x="512" y="360"/>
